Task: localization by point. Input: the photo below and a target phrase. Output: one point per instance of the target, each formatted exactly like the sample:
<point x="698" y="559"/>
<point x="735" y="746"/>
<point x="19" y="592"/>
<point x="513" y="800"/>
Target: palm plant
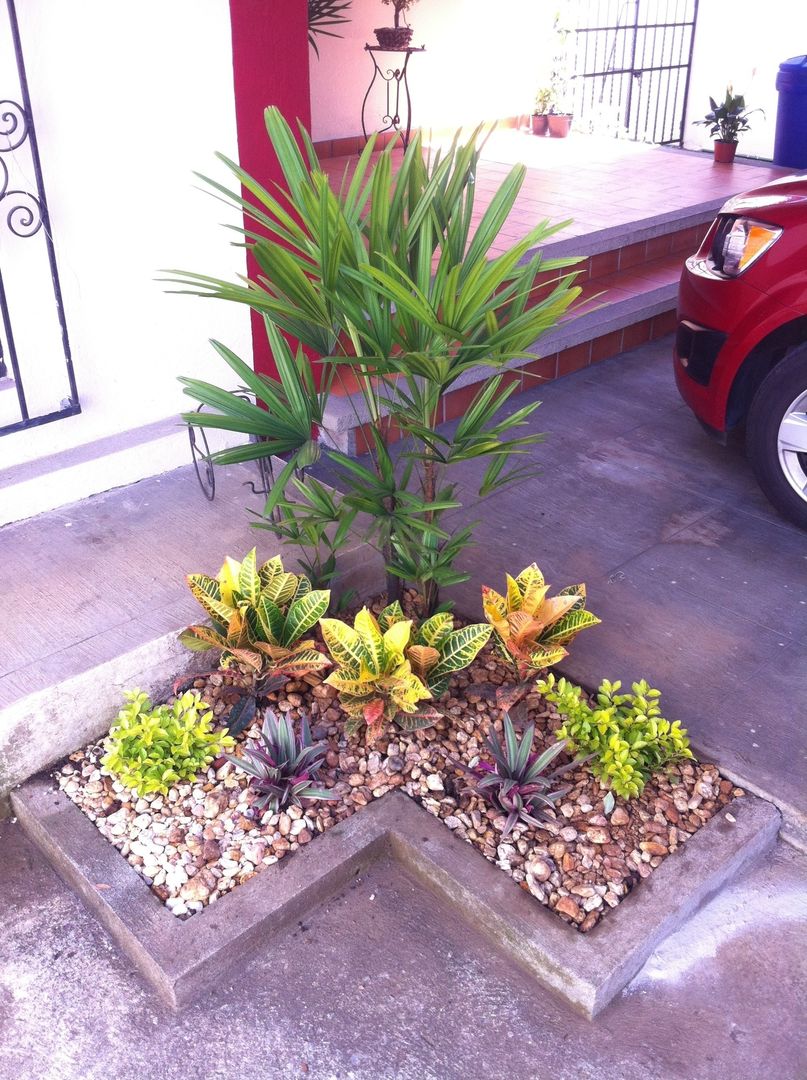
<point x="385" y="280"/>
<point x="323" y="14"/>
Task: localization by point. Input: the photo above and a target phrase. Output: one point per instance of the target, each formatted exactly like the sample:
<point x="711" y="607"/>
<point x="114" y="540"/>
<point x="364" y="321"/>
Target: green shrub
<point x="149" y="747"/>
<point x="399" y="286"/>
<point x="626" y="734"/>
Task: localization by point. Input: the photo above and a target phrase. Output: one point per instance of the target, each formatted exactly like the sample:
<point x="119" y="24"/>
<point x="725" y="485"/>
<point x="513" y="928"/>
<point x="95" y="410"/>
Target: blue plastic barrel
<point x="790" y="147"/>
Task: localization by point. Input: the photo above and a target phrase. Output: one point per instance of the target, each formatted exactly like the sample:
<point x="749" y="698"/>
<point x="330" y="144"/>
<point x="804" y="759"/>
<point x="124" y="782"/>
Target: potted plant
<point x="725" y="123"/>
<point x="397" y="36"/>
<point x="560" y="124"/>
<point x="559" y="118"/>
<point x="540" y="114"/>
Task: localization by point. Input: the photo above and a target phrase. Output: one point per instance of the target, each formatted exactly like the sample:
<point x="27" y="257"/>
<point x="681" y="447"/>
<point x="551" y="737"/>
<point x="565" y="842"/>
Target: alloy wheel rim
<point x="791" y="442"/>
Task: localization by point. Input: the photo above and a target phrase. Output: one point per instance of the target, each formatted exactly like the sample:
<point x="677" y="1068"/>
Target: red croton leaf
<point x="374" y="718"/>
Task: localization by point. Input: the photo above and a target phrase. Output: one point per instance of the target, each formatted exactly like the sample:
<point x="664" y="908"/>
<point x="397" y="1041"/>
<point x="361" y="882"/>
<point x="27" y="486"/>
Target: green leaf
<point x="303" y="614"/>
<point x="241" y="714"/>
<point x="343" y="642"/>
<point x="436" y="630"/>
<point x="270" y="620"/>
<point x="424" y="718"/>
<point x="202" y="638"/>
<point x="249" y="584"/>
<point x="460" y="649"/>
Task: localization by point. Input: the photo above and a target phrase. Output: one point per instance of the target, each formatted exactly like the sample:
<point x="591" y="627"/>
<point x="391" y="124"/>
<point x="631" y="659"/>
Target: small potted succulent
<point x="726" y="122"/>
<point x="397" y="36"/>
<point x="540" y="113"/>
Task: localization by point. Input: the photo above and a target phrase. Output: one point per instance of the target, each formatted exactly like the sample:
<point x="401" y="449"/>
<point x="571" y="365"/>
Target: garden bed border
<point x="183" y="958"/>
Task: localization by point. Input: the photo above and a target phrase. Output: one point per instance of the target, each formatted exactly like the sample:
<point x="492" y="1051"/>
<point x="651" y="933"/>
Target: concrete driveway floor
<point x="702" y="590"/>
<point x="384" y="983"/>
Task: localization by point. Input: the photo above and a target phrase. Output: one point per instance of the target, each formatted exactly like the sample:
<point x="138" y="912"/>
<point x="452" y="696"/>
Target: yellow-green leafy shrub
<point x="626" y="734"/>
<point x="149" y="747"/>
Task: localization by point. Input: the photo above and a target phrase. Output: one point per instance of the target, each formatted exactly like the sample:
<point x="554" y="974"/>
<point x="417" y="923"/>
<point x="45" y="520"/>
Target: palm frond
<point x="323" y="14"/>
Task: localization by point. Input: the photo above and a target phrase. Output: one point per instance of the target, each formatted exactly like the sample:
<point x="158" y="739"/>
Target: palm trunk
<point x="394" y="583"/>
<point x="429" y="589"/>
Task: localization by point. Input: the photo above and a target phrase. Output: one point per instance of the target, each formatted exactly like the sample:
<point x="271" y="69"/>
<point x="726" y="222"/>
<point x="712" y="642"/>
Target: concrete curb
<point x="182" y="959"/>
<point x="78" y="704"/>
<point x="76" y="710"/>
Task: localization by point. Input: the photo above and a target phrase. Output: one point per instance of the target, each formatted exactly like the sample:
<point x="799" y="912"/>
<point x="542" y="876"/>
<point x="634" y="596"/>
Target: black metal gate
<point x="631" y="63"/>
<point x="37" y="382"/>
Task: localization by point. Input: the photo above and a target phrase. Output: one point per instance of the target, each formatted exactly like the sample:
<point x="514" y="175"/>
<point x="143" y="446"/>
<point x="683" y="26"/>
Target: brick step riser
<point x="683" y="242"/>
<point x="652" y="320"/>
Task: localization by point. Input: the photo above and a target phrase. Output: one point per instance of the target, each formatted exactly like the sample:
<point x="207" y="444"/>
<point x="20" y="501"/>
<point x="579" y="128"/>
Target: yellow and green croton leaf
<point x="436" y="650"/>
<point x="532" y="628"/>
<point x="258" y="617"/>
<point x="373" y="677"/>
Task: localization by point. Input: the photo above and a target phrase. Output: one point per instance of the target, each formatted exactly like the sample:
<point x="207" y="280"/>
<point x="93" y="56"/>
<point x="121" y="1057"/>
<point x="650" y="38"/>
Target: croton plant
<point x="258" y="617"/>
<point x="373" y="676"/>
<point x="436" y="650"/>
<point x="532" y="628"/>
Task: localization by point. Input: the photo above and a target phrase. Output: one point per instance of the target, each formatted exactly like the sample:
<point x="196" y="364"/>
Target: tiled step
<point x="631" y="213"/>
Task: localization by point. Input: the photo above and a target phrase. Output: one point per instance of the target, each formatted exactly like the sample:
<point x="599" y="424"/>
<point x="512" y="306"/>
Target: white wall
<point x="129" y="98"/>
<point x="743" y="43"/>
<point x="483" y="61"/>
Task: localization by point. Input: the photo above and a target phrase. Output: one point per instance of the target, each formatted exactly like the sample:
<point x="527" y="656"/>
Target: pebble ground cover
<point x="203" y="839"/>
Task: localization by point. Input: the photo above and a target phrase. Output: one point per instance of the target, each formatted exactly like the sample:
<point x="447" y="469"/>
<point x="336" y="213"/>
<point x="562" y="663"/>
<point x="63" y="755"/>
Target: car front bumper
<point x="718" y="320"/>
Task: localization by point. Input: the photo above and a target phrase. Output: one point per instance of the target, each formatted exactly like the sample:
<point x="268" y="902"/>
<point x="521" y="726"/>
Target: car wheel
<point x="776" y="436"/>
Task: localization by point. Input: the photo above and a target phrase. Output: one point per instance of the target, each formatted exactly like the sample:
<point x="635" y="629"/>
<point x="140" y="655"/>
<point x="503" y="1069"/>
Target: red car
<point x="741" y="345"/>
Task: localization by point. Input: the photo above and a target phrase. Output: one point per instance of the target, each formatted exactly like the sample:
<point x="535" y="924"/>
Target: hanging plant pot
<point x="393" y="37"/>
<point x="560" y="124"/>
<point x="724" y="151"/>
<point x="540" y="124"/>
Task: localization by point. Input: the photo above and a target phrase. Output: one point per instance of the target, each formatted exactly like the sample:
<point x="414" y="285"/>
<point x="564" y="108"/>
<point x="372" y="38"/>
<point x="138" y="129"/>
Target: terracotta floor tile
<point x="594" y="183"/>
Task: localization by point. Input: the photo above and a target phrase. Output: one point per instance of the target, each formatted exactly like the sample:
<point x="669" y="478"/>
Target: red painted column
<point x="270" y="67"/>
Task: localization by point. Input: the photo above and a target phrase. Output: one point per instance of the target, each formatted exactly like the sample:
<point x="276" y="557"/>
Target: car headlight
<point x="739" y="242"/>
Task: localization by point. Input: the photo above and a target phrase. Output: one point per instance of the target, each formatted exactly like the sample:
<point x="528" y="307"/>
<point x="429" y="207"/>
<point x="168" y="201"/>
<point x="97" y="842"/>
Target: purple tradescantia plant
<point x="517" y="782"/>
<point x="282" y="767"/>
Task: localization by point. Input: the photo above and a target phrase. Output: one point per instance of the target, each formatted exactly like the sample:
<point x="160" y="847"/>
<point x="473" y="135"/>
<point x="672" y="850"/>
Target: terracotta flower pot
<point x="540" y="124"/>
<point x="560" y="125"/>
<point x="724" y="151"/>
<point x="393" y="37"/>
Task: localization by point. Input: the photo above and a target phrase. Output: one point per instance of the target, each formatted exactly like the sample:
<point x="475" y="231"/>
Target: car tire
<point x="776" y="436"/>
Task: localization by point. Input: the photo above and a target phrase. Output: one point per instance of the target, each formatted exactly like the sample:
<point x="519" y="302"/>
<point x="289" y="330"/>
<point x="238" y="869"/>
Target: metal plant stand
<point x="396" y="87"/>
<point x="204" y="463"/>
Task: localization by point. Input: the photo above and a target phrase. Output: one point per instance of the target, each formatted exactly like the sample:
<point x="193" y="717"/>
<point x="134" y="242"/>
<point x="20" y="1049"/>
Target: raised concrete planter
<point x="77" y="694"/>
<point x="182" y="959"/>
<point x="77" y="708"/>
